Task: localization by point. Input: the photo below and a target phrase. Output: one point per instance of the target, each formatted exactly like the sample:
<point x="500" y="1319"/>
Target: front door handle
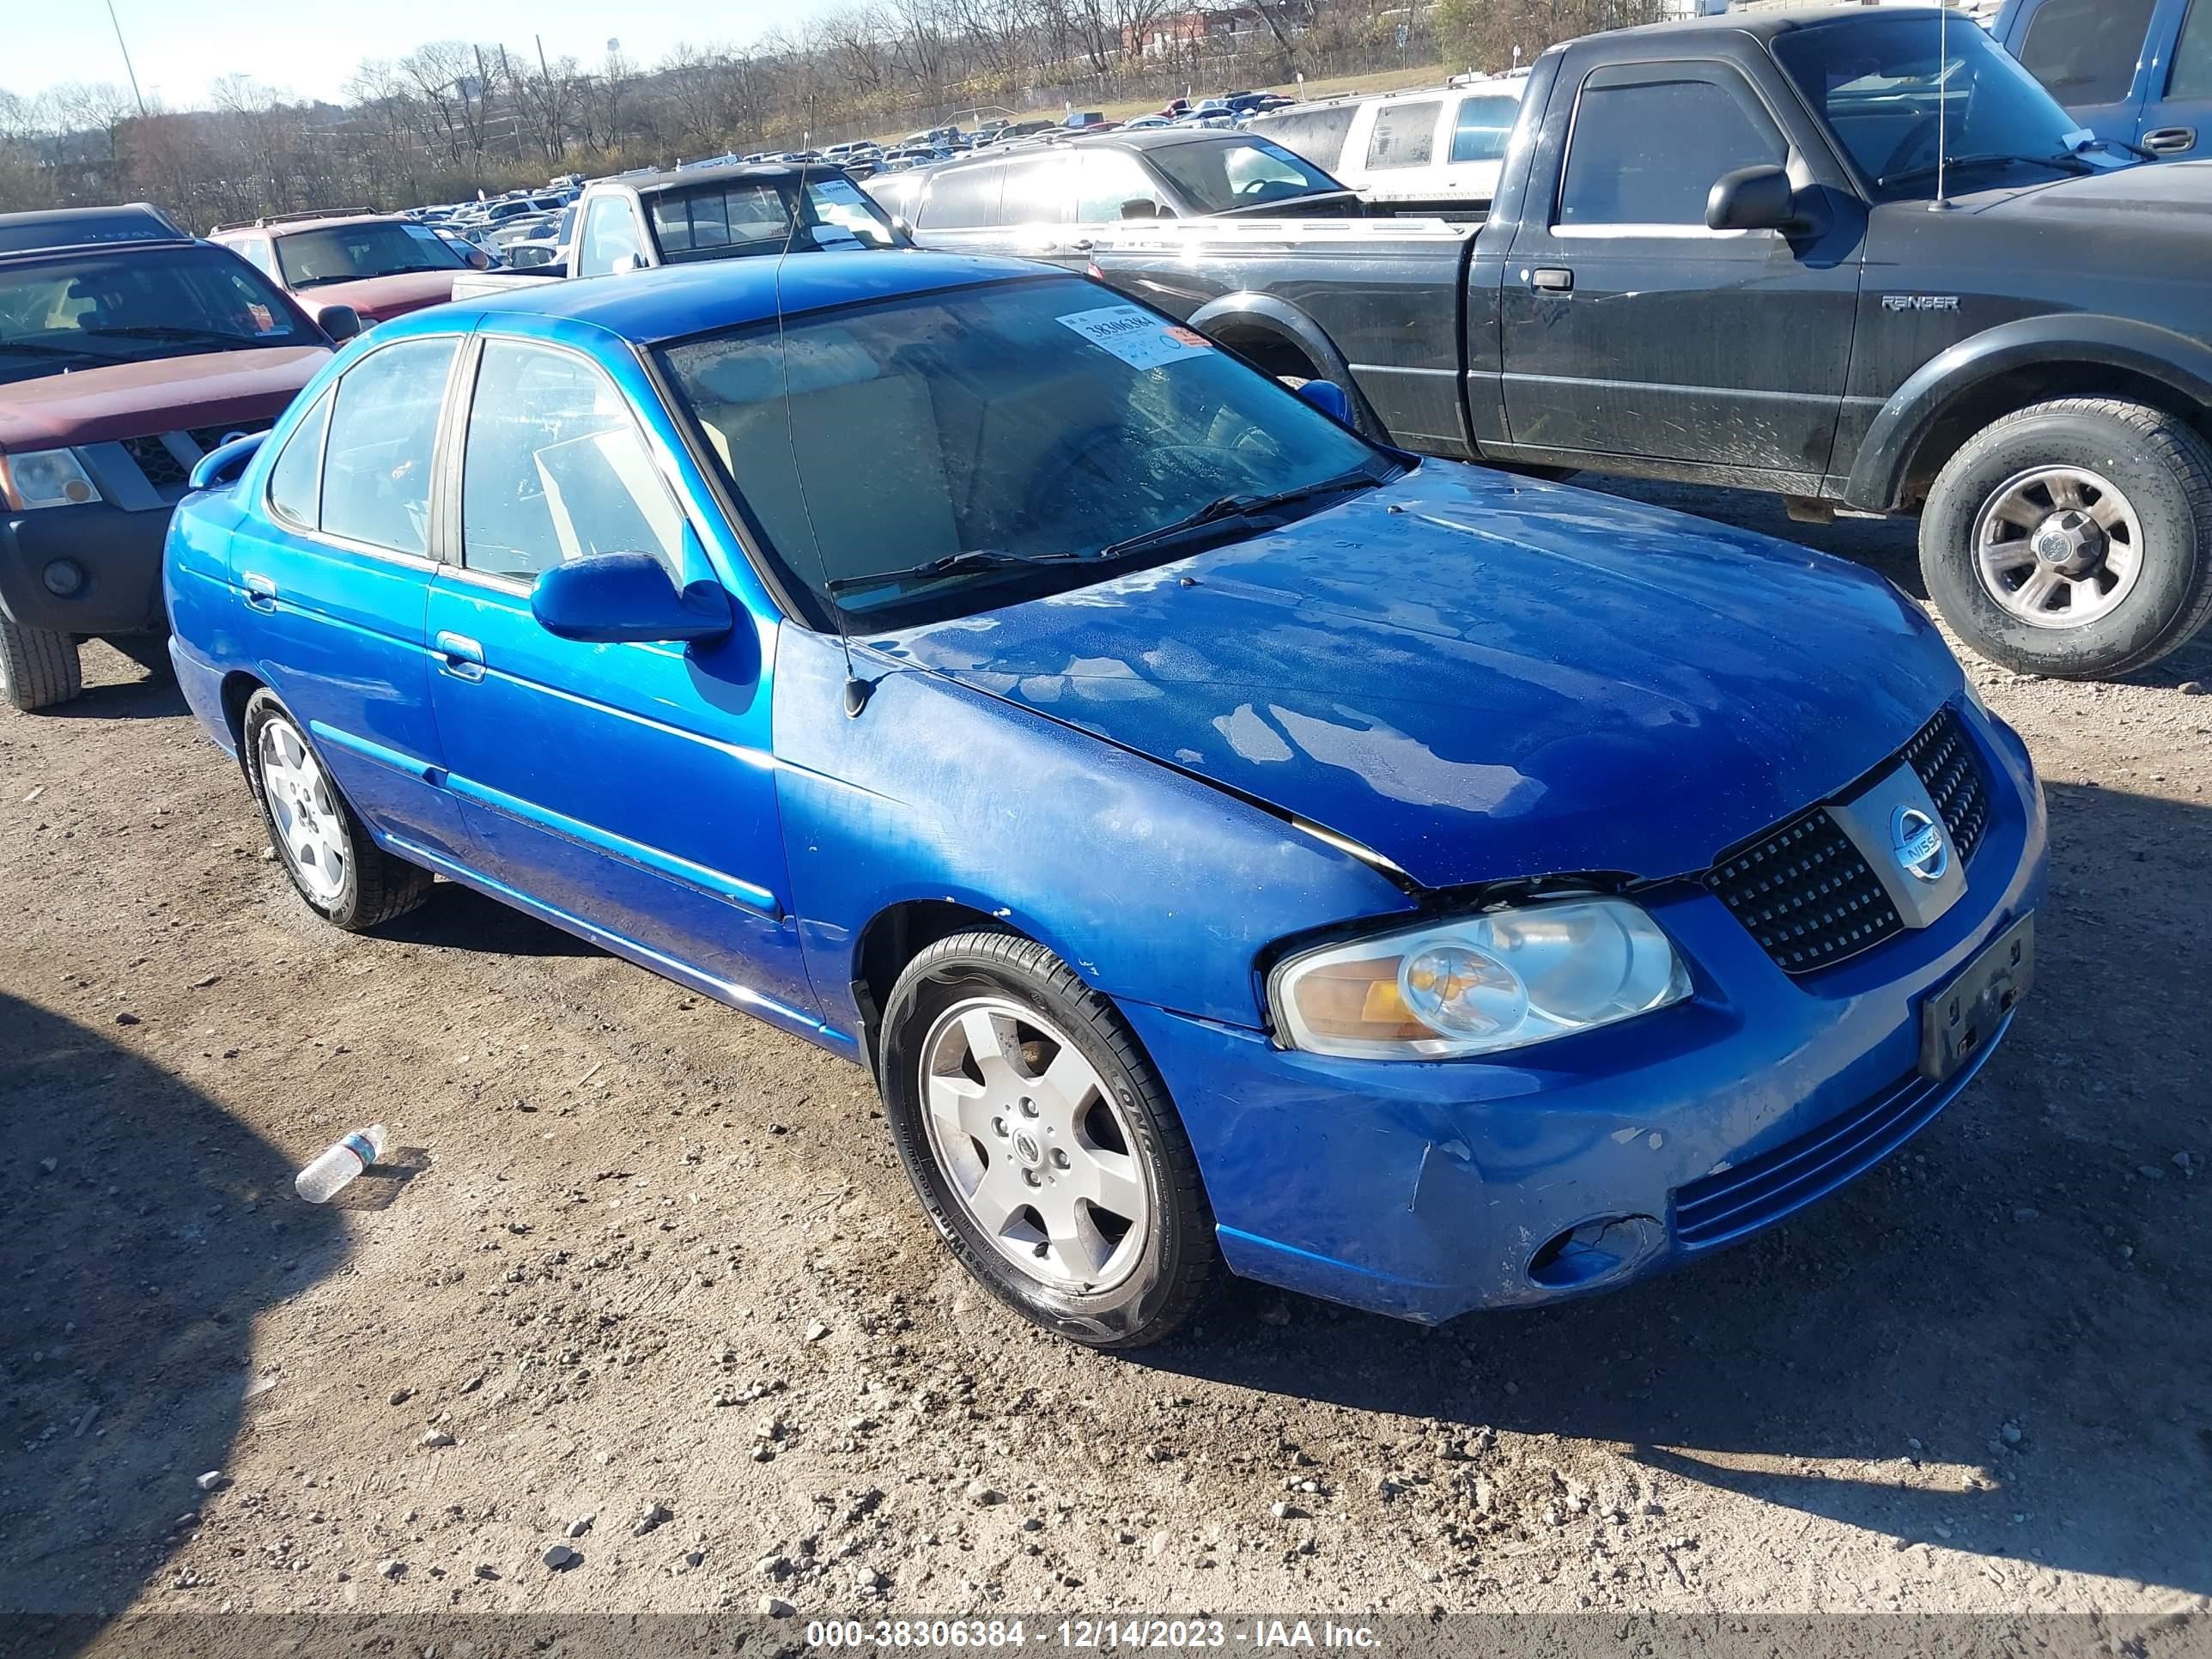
<point x="260" y="591"/>
<point x="460" y="656"/>
<point x="1552" y="280"/>
<point x="2171" y="141"/>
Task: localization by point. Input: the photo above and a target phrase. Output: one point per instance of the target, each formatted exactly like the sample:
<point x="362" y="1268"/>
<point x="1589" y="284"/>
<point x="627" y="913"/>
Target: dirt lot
<point x="636" y="1256"/>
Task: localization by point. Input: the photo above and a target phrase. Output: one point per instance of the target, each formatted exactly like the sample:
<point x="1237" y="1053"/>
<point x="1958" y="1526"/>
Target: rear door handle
<point x="260" y="591"/>
<point x="2171" y="141"/>
<point x="1552" y="280"/>
<point x="460" y="656"/>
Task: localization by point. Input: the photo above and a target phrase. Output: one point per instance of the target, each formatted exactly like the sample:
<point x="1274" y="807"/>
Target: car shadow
<point x="143" y="1232"/>
<point x="148" y="695"/>
<point x="460" y="918"/>
<point x="1993" y="1343"/>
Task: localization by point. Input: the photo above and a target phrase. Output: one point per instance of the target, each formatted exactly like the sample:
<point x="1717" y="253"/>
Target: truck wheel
<point x="1042" y="1143"/>
<point x="2074" y="539"/>
<point x="39" y="667"/>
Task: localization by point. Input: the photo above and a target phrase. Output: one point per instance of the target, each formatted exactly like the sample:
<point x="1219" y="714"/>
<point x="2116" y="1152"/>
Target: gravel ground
<point x="643" y="1283"/>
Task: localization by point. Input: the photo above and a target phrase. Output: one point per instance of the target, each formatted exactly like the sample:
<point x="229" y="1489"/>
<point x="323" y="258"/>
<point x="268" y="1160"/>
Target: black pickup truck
<point x="1858" y="257"/>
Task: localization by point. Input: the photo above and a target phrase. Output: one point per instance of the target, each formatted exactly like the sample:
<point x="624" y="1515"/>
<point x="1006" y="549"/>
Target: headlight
<point x="1503" y="980"/>
<point x="46" y="477"/>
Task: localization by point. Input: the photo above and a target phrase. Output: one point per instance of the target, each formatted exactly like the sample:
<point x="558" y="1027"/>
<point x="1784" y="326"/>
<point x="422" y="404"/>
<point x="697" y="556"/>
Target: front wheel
<point x="1042" y="1144"/>
<point x="2074" y="539"/>
<point x="39" y="667"/>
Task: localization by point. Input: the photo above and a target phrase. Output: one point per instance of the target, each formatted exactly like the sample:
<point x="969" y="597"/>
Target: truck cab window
<point x="2085" y="50"/>
<point x="1648" y="152"/>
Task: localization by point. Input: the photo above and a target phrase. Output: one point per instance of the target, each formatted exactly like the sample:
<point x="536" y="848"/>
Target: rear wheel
<point x="39" y="667"/>
<point x="1042" y="1144"/>
<point x="2074" y="539"/>
<point x="348" y="880"/>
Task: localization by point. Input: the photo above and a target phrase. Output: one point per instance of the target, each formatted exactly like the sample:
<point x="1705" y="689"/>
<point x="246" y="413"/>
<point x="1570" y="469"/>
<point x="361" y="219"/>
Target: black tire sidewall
<point x="2167" y="588"/>
<point x="262" y="711"/>
<point x="1143" y="1307"/>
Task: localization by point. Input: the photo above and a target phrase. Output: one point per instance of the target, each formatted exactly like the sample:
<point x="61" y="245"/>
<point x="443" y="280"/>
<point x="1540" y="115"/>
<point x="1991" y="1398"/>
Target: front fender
<point x="1893" y="442"/>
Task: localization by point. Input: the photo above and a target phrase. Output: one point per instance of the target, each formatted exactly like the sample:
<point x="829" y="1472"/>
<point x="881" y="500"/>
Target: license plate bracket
<point x="1958" y="1020"/>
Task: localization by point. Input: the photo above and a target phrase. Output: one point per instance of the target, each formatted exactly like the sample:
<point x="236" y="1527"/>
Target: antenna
<point x="1943" y="201"/>
<point x="856" y="688"/>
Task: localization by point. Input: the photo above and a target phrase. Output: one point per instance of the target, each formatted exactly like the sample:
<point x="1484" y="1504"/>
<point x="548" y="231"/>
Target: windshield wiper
<point x="973" y="558"/>
<point x="1233" y="509"/>
<point x="170" y="331"/>
<point x="40" y="349"/>
<point x="2069" y="163"/>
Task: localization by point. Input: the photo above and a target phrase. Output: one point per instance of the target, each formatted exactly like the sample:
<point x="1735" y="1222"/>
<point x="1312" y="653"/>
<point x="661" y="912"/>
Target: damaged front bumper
<point x="1428" y="1189"/>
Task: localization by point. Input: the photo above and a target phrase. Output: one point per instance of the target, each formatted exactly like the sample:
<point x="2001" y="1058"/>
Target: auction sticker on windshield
<point x="1137" y="337"/>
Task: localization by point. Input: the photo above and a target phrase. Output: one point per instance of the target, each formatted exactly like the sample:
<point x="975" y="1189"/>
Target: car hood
<point x="2177" y="194"/>
<point x="379" y="299"/>
<point x="1483" y="678"/>
<point x="134" y="400"/>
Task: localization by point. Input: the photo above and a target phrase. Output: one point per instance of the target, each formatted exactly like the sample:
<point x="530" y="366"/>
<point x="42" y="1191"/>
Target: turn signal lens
<point x="1499" y="981"/>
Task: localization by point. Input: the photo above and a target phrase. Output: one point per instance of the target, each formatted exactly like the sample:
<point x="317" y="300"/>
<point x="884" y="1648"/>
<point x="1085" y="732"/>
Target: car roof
<point x="660" y="181"/>
<point x="671" y="301"/>
<point x="1765" y="26"/>
<point x="290" y="227"/>
<point x="124" y="222"/>
<point x="12" y="258"/>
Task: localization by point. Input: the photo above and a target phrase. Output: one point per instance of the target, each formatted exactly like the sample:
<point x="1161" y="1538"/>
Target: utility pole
<point x="139" y="96"/>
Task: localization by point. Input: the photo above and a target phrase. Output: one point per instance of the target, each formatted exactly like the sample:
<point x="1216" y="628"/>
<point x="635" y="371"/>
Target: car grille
<point x="163" y="469"/>
<point x="1715" y="1208"/>
<point x="1806" y="891"/>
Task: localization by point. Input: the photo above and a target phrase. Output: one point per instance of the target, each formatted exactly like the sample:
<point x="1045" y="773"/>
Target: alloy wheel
<point x="2058" y="546"/>
<point x="310" y="834"/>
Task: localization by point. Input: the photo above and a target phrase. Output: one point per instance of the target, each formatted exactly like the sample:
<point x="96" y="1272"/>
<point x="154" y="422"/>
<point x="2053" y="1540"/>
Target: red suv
<point x="125" y="355"/>
<point x="380" y="265"/>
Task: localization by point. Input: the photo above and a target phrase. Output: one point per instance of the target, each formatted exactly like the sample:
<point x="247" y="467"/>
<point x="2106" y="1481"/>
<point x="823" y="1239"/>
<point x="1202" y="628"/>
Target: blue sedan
<point x="1227" y="841"/>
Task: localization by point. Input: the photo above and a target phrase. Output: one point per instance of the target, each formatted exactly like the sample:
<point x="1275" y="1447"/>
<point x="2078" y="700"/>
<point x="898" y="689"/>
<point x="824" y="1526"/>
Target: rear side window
<point x="1039" y="189"/>
<point x="555" y="468"/>
<point x="1483" y="125"/>
<point x="383" y="429"/>
<point x="2085" y="50"/>
<point x="1404" y="136"/>
<point x="1316" y="134"/>
<point x="962" y="198"/>
<point x="295" y="483"/>
<point x="2193" y="55"/>
<point x="1649" y="153"/>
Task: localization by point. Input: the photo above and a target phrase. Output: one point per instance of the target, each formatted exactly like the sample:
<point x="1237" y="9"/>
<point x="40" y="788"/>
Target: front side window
<point x="2192" y="75"/>
<point x="609" y="234"/>
<point x="1649" y="152"/>
<point x="1220" y="175"/>
<point x="1017" y="430"/>
<point x="1895" y="90"/>
<point x="85" y="309"/>
<point x="1482" y="126"/>
<point x="1404" y="136"/>
<point x="2085" y="50"/>
<point x="350" y="253"/>
<point x="383" y="433"/>
<point x="295" y="483"/>
<point x="554" y="469"/>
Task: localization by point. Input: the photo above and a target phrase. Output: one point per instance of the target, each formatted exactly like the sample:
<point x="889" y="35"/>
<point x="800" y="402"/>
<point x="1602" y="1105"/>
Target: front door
<point x="2089" y="54"/>
<point x="1631" y="329"/>
<point x="2176" y="123"/>
<point x="627" y="787"/>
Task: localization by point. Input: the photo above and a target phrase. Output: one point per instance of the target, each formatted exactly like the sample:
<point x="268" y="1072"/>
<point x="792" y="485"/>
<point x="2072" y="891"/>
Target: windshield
<point x="1880" y="83"/>
<point x="348" y="253"/>
<point x="1225" y="174"/>
<point x="1038" y="421"/>
<point x="90" y="309"/>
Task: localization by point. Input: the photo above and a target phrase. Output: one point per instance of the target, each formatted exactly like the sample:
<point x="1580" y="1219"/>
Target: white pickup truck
<point x="642" y="220"/>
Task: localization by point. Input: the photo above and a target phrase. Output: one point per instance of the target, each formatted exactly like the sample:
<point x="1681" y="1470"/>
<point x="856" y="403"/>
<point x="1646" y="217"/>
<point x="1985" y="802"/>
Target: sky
<point x="308" y="47"/>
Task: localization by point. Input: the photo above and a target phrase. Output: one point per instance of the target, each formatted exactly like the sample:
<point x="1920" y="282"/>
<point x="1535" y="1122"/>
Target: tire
<point x="39" y="667"/>
<point x="1160" y="1263"/>
<point x="2085" y="451"/>
<point x="347" y="879"/>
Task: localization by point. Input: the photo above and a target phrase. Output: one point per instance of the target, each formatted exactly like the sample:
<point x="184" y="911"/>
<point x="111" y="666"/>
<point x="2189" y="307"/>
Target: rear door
<point x="628" y="787"/>
<point x="1628" y="328"/>
<point x="336" y="580"/>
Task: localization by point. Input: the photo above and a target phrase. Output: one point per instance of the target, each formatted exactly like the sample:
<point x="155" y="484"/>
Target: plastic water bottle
<point x="320" y="1179"/>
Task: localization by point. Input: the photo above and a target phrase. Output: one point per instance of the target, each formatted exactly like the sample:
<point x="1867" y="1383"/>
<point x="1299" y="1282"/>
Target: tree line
<point x="452" y="118"/>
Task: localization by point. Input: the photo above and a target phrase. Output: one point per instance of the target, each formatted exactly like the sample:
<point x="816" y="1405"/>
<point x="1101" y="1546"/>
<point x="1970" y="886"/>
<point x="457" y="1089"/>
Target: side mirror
<point x="1752" y="198"/>
<point x="479" y="259"/>
<point x="627" y="264"/>
<point x="341" y="323"/>
<point x="617" y="598"/>
<point x="222" y="464"/>
<point x="1330" y="398"/>
<point x="1140" y="208"/>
